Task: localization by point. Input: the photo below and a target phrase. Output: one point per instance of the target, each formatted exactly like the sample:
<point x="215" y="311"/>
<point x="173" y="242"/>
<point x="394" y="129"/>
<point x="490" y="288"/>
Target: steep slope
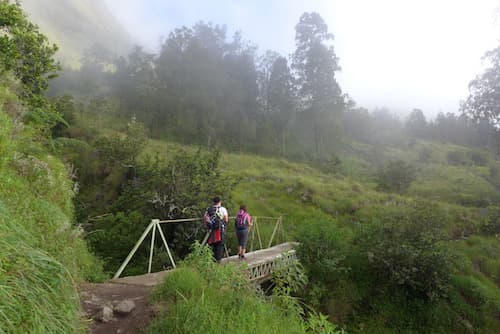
<point x="42" y="257"/>
<point x="77" y="25"/>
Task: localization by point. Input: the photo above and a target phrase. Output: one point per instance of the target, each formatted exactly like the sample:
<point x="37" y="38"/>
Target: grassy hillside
<point x="77" y="25"/>
<point x="334" y="211"/>
<point x="42" y="256"/>
<point x="424" y="260"/>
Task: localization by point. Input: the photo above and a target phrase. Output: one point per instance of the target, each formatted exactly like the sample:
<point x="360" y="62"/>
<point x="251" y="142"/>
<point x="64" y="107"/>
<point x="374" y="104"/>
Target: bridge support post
<point x="165" y="243"/>
<point x="151" y="250"/>
<point x="132" y="252"/>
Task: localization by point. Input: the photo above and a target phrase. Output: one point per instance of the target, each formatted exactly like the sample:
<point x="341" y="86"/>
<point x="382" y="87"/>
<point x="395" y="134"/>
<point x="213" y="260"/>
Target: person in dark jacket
<point x="216" y="218"/>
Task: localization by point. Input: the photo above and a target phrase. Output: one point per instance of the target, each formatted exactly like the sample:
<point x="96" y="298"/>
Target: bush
<point x="457" y="157"/>
<point x="217" y="299"/>
<point x="404" y="253"/>
<point x="425" y="154"/>
<point x="491" y="226"/>
<point x="396" y="176"/>
<point x="478" y="157"/>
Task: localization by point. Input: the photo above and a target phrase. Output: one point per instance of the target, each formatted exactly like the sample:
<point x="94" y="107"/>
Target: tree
<point x="26" y="52"/>
<point x="315" y="64"/>
<point x="484" y="98"/>
<point x="416" y="123"/>
<point x="281" y="99"/>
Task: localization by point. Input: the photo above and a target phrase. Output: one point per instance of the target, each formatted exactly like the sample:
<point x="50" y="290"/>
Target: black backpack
<point x="215" y="219"/>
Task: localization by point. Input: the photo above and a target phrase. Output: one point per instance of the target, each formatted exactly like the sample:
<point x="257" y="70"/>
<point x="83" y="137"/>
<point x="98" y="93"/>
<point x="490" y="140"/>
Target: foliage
<point x="140" y="189"/>
<point x="483" y="102"/>
<point x="322" y="250"/>
<point x="396" y="176"/>
<point x="425" y="154"/>
<point x="214" y="299"/>
<point x="42" y="257"/>
<point x="491" y="226"/>
<point x="404" y="253"/>
<point x="319" y="324"/>
<point x="416" y="123"/>
<point x="25" y="52"/>
<point x="288" y="276"/>
<point x="457" y="157"/>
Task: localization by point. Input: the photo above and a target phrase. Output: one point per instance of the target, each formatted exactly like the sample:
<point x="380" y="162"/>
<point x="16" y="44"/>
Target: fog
<point x="398" y="54"/>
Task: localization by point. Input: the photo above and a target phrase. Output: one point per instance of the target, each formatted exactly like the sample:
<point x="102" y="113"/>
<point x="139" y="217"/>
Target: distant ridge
<point x="77" y="25"/>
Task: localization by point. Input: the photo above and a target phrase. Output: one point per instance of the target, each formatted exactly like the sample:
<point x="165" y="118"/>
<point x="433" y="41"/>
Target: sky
<point x="399" y="54"/>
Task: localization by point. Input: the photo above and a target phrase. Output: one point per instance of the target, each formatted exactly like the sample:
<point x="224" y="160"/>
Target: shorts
<point x="242" y="237"/>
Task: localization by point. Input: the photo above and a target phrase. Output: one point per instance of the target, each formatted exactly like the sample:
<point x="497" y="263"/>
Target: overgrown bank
<point x="42" y="256"/>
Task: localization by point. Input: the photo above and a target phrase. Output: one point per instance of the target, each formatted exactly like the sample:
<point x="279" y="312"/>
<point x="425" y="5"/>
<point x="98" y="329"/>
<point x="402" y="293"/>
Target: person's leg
<point x="214" y="250"/>
<point x="239" y="236"/>
<point x="243" y="243"/>
<point x="219" y="251"/>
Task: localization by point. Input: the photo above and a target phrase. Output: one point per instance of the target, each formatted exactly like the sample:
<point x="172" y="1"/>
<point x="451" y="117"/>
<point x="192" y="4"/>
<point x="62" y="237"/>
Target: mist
<point x="396" y="54"/>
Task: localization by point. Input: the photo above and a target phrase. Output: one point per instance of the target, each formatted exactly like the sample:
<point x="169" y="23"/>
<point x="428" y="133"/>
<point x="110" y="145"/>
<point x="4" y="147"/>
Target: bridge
<point x="260" y="262"/>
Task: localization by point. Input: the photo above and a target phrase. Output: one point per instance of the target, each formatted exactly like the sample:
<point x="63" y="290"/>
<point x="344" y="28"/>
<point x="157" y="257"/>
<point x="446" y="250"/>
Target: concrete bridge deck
<point x="260" y="264"/>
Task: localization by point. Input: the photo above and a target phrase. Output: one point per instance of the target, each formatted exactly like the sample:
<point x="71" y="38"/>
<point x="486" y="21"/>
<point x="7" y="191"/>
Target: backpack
<point x="214" y="218"/>
<point x="241" y="220"/>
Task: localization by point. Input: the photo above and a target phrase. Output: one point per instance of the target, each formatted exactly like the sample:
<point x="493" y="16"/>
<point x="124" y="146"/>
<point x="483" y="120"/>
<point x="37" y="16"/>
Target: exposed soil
<point x="94" y="296"/>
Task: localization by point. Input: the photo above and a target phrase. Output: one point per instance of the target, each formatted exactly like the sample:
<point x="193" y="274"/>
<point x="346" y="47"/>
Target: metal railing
<point x="155" y="225"/>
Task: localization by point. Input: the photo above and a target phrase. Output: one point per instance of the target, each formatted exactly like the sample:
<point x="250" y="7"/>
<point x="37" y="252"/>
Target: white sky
<point x="402" y="54"/>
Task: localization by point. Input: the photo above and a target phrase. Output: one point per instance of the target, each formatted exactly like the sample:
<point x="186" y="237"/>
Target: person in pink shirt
<point x="243" y="224"/>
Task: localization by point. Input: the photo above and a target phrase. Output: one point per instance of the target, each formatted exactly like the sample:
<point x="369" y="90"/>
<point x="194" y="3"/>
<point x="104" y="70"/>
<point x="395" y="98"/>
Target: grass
<point x="204" y="297"/>
<point x="42" y="257"/>
<point x="300" y="192"/>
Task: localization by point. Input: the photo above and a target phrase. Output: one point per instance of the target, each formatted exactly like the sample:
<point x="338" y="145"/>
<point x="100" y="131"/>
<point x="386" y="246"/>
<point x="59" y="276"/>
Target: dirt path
<point x="95" y="296"/>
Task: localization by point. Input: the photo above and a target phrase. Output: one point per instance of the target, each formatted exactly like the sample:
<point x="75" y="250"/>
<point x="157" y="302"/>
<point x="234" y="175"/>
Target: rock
<point x="124" y="307"/>
<point x="105" y="314"/>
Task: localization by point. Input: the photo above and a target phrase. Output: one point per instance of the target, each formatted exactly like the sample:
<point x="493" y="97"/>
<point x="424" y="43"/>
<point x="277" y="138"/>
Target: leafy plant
<point x="396" y="176"/>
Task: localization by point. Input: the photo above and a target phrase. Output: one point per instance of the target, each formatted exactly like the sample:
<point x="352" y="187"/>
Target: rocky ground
<point x="117" y="308"/>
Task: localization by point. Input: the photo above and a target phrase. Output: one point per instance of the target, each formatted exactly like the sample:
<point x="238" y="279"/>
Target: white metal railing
<point x="156" y="225"/>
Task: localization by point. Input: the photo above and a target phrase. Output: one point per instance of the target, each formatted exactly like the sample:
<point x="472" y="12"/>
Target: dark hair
<point x="216" y="199"/>
<point x="243" y="207"/>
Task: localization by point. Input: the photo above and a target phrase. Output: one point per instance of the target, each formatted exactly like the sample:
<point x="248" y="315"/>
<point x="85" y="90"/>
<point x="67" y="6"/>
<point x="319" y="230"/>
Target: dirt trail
<point x="95" y="296"/>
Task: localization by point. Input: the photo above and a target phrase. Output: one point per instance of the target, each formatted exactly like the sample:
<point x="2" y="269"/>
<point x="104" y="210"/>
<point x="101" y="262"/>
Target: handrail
<point x="156" y="225"/>
<point x="185" y="220"/>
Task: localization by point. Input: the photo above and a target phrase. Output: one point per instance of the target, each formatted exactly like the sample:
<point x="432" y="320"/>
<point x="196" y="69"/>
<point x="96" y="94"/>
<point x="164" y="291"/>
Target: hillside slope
<point x="42" y="257"/>
<point x="77" y="25"/>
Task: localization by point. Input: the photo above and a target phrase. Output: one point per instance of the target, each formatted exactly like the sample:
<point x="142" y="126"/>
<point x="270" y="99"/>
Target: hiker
<point x="243" y="224"/>
<point x="216" y="218"/>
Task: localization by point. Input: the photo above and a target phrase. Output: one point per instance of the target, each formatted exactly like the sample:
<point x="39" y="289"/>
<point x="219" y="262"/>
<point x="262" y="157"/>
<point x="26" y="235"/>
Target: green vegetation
<point x="204" y="297"/>
<point x="42" y="257"/>
<point x="398" y="222"/>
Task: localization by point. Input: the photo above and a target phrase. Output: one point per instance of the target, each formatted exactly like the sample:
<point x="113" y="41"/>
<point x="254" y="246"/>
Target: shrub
<point x="218" y="299"/>
<point x="457" y="157"/>
<point x="322" y="250"/>
<point x="491" y="226"/>
<point x="396" y="176"/>
<point x="425" y="154"/>
<point x="478" y="157"/>
<point x="404" y="253"/>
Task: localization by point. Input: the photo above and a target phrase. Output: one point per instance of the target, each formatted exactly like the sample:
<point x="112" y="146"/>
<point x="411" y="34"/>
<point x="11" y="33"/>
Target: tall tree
<point x="315" y="64"/>
<point x="281" y="102"/>
<point x="484" y="98"/>
<point x="416" y="123"/>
